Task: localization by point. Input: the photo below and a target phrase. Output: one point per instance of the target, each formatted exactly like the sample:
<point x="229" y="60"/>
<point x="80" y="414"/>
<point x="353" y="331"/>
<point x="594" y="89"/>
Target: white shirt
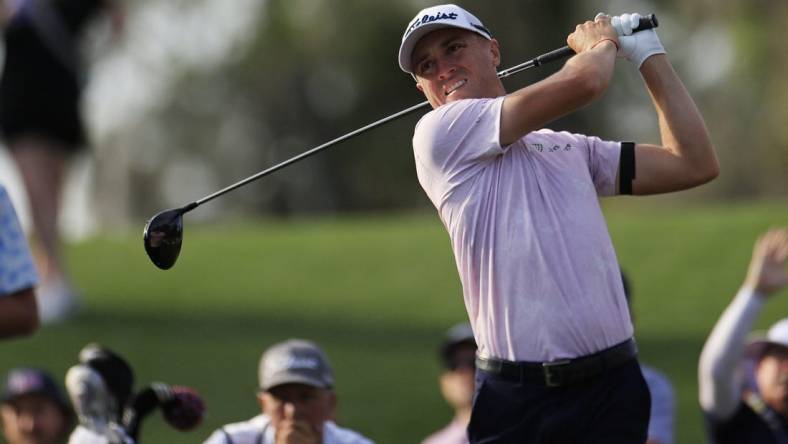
<point x="111" y="435"/>
<point x="454" y="433"/>
<point x="539" y="273"/>
<point x="259" y="431"/>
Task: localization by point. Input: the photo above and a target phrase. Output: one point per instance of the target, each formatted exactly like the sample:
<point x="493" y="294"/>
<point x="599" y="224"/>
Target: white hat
<point x="777" y="335"/>
<point x="431" y="19"/>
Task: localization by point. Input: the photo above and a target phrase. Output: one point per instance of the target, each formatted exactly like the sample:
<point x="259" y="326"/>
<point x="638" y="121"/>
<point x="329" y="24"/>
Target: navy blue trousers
<point x="612" y="408"/>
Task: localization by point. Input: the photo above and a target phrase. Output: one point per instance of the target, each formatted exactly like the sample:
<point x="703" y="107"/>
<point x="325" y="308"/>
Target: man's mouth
<point x="455" y="86"/>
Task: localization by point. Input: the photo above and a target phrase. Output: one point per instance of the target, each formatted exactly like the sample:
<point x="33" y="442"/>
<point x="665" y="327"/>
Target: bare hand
<point x="298" y="432"/>
<point x="588" y="34"/>
<point x="767" y="273"/>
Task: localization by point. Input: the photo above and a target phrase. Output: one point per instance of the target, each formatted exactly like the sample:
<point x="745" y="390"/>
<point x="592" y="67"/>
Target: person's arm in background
<point x="18" y="314"/>
<point x="719" y="374"/>
<point x="18" y="277"/>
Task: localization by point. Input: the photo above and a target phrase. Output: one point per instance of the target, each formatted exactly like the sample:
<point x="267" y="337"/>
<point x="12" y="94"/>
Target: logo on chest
<point x="542" y="148"/>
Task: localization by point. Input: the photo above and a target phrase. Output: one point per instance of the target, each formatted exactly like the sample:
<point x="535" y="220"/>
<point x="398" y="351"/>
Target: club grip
<point x="646" y="22"/>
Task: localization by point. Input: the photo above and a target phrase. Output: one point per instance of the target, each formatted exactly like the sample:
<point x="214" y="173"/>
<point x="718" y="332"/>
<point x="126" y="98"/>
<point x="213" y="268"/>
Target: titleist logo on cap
<point x="293" y="363"/>
<point x="432" y="18"/>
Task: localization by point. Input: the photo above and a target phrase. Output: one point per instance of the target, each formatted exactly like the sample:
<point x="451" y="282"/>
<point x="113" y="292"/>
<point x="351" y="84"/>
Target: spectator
<point x="663" y="404"/>
<point x="33" y="409"/>
<point x="40" y="93"/>
<point x="18" y="277"/>
<point x="297" y="400"/>
<point x="458" y="356"/>
<point x="744" y="384"/>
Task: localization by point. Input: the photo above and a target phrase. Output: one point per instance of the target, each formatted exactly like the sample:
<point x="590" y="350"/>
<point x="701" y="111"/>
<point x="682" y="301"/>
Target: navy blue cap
<point x="31" y="381"/>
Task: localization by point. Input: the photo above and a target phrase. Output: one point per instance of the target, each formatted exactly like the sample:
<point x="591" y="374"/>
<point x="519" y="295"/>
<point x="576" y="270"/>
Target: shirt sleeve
<point x="720" y="373"/>
<point x="452" y="143"/>
<point x="603" y="163"/>
<point x="17" y="269"/>
<point x="217" y="437"/>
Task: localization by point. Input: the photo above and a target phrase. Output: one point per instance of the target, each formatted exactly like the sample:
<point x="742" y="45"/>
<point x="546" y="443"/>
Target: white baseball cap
<point x="777" y="335"/>
<point x="434" y="18"/>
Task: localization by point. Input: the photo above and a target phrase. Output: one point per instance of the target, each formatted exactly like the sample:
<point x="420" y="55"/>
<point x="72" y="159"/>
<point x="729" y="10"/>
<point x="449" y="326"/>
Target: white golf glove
<point x="635" y="47"/>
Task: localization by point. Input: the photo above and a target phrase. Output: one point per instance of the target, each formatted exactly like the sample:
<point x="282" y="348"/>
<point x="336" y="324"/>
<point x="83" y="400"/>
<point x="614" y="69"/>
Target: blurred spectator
<point x="40" y="92"/>
<point x="661" y="423"/>
<point x="297" y="400"/>
<point x="33" y="409"/>
<point x="458" y="356"/>
<point x="744" y="383"/>
<point x="18" y="314"/>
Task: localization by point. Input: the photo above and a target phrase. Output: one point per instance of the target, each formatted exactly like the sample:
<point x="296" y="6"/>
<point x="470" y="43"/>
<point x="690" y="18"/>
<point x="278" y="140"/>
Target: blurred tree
<point x="312" y="70"/>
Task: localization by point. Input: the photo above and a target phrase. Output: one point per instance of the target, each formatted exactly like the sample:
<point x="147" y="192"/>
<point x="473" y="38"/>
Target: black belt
<point x="562" y="372"/>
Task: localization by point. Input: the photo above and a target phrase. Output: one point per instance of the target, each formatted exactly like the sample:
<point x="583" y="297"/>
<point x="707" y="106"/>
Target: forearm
<point x="719" y="373"/>
<point x="682" y="129"/>
<point x="584" y="78"/>
<point x="18" y="314"/>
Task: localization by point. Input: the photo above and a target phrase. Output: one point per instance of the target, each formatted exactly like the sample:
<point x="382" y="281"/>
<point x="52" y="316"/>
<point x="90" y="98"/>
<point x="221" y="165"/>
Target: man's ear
<point x="419" y="87"/>
<point x="495" y="49"/>
<point x="261" y="400"/>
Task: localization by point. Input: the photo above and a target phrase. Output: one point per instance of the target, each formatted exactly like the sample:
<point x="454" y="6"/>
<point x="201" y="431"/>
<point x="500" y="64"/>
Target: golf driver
<point x="163" y="234"/>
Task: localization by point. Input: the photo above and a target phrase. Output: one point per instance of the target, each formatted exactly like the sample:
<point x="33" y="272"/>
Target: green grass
<point x="377" y="291"/>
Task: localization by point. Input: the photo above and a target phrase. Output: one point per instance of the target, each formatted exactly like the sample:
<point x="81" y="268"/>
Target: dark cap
<point x="295" y="361"/>
<point x="30" y="381"/>
<point x="460" y="334"/>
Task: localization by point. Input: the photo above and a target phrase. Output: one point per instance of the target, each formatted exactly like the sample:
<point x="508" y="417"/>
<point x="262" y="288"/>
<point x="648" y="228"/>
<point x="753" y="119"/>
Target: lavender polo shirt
<point x="539" y="273"/>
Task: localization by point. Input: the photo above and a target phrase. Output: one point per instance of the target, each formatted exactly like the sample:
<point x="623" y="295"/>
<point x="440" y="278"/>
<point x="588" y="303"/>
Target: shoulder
<point x="458" y="114"/>
<point x="240" y="432"/>
<point x="338" y="435"/>
<point x="83" y="435"/>
<point x="455" y="432"/>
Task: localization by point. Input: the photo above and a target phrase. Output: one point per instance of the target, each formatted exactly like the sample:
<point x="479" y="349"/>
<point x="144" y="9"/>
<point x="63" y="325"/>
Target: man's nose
<point x="27" y="423"/>
<point x="445" y="68"/>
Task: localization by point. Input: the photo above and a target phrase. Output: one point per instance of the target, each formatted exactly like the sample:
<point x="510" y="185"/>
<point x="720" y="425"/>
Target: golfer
<point x="542" y="287"/>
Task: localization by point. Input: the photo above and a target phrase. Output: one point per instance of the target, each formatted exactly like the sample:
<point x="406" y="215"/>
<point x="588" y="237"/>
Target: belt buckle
<point x="552" y="372"/>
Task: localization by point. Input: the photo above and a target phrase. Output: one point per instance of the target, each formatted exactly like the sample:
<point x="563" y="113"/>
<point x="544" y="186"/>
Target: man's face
<point x="457" y="382"/>
<point x="452" y="64"/>
<point x="772" y="376"/>
<point x="32" y="419"/>
<point x="298" y="409"/>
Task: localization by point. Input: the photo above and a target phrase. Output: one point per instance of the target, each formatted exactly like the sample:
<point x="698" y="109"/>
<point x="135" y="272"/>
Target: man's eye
<point x="454" y="47"/>
<point x="425" y="66"/>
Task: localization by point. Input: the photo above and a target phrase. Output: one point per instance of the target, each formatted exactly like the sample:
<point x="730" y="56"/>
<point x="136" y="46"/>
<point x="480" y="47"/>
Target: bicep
<point x="660" y="170"/>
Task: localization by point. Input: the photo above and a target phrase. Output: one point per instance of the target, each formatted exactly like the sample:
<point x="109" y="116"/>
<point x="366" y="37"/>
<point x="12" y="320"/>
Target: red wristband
<point x="606" y="39"/>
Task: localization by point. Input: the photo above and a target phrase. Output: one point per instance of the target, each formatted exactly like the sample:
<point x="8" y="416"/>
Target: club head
<point x="163" y="236"/>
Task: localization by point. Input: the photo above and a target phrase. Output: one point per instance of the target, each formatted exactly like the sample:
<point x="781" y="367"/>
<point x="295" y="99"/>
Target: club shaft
<point x="647" y="22"/>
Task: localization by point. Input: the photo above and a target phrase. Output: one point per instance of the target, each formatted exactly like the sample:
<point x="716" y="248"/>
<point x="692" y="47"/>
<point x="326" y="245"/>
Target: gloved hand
<point x="635" y="46"/>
